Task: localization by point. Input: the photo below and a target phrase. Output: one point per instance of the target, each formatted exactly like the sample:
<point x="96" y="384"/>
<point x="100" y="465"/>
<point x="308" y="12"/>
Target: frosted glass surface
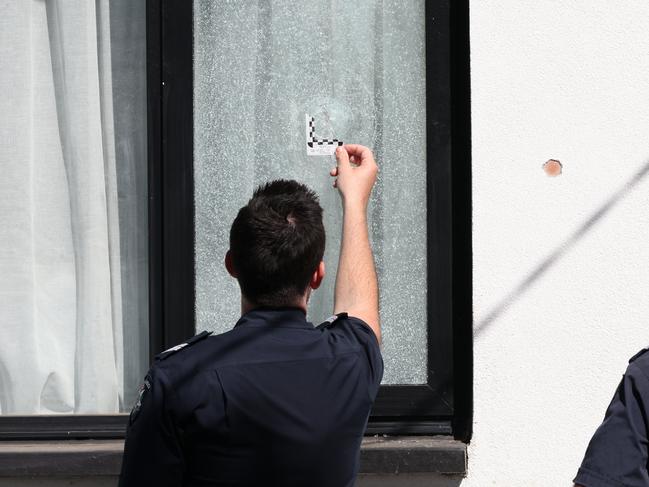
<point x="360" y="66"/>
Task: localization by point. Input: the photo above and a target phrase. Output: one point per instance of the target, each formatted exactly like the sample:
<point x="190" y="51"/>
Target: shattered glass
<point x="359" y="69"/>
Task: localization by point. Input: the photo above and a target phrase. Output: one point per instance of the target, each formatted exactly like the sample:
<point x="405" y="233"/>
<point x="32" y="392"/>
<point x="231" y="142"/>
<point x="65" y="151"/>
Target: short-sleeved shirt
<point x="275" y="401"/>
<point x="617" y="454"/>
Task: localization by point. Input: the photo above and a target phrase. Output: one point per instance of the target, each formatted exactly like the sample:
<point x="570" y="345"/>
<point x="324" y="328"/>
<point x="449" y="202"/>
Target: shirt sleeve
<point x="366" y="337"/>
<point x="617" y="452"/>
<point x="152" y="453"/>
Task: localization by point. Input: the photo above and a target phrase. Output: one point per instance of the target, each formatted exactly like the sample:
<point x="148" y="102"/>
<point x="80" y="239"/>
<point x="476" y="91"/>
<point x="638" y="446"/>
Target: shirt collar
<point x="283" y="317"/>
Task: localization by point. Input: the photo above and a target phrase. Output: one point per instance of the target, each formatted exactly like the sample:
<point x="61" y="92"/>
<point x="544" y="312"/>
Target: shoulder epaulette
<point x="191" y="341"/>
<point x="331" y="320"/>
<point x="641" y="352"/>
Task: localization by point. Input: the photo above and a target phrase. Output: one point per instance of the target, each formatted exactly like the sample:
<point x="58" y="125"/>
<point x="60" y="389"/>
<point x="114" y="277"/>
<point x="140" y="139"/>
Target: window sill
<point x="413" y="454"/>
<point x="387" y="455"/>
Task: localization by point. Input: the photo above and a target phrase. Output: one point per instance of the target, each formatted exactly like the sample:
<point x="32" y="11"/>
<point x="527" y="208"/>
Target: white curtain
<point x="62" y="329"/>
<point x="359" y="69"/>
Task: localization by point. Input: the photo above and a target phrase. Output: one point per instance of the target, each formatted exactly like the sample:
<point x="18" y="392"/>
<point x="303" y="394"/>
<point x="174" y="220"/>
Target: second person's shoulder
<point x="640" y="362"/>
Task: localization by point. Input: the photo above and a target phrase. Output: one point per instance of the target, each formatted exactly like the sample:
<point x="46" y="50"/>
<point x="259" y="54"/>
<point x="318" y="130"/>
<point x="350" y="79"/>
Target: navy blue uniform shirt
<point x="617" y="453"/>
<point x="273" y="402"/>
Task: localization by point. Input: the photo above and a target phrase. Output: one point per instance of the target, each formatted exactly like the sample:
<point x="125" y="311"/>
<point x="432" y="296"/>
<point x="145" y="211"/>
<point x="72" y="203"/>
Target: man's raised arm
<point x="357" y="290"/>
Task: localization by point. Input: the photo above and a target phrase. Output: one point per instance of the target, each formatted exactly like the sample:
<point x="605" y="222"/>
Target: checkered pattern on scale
<point x="315" y="141"/>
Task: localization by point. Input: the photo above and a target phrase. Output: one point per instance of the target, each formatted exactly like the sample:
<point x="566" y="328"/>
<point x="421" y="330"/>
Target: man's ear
<point x="229" y="265"/>
<point x="318" y="276"/>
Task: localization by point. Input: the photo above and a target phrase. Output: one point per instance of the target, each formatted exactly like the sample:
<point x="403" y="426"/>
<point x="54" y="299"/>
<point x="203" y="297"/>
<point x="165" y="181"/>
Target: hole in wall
<point x="553" y="167"/>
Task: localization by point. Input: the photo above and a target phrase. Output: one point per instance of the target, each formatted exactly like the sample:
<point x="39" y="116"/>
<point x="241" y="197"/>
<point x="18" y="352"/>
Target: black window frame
<point x="443" y="405"/>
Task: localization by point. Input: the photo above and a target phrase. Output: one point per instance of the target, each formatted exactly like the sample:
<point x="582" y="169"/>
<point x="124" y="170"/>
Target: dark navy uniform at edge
<point x="273" y="402"/>
<point x="617" y="454"/>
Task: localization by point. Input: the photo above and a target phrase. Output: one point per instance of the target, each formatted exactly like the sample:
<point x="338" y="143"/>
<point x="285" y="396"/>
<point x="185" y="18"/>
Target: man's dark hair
<point x="276" y="242"/>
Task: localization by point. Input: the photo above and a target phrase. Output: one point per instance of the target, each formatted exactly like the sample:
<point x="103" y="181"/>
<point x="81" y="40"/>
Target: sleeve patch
<point x="144" y="388"/>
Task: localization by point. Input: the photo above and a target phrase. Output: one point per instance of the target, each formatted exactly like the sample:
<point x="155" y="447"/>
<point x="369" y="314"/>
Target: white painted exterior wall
<point x="570" y="81"/>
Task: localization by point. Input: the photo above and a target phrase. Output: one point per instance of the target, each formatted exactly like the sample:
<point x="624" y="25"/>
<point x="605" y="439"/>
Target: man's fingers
<point x="360" y="152"/>
<point x="342" y="157"/>
<point x="334" y="172"/>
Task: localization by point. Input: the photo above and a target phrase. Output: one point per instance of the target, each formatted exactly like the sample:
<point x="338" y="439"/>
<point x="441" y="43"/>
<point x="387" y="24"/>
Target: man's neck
<point x="247" y="306"/>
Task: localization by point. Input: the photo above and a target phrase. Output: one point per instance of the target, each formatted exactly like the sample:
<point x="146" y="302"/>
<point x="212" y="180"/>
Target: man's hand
<point x="357" y="290"/>
<point x="355" y="174"/>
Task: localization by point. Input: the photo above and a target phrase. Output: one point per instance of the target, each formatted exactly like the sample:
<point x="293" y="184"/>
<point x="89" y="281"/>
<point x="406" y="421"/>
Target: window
<point x="199" y="63"/>
<point x="239" y="80"/>
<point x="73" y="206"/>
<point x="251" y="96"/>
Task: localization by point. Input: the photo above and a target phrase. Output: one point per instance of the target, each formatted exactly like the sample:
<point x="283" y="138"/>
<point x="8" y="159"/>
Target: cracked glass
<point x="357" y="68"/>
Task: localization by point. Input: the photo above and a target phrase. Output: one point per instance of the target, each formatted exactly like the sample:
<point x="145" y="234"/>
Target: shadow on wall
<point x="554" y="256"/>
<point x="409" y="480"/>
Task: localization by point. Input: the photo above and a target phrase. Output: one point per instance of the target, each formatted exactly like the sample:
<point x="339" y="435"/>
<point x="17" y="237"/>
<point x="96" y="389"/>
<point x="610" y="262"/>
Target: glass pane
<point x="73" y="207"/>
<point x="359" y="69"/>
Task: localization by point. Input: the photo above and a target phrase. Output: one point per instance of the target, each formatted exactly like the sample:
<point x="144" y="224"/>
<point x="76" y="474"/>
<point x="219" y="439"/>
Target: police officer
<point x="617" y="453"/>
<point x="275" y="401"/>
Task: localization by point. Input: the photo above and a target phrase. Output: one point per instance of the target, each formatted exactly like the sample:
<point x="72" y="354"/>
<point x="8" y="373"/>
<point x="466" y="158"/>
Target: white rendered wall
<point x="561" y="265"/>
